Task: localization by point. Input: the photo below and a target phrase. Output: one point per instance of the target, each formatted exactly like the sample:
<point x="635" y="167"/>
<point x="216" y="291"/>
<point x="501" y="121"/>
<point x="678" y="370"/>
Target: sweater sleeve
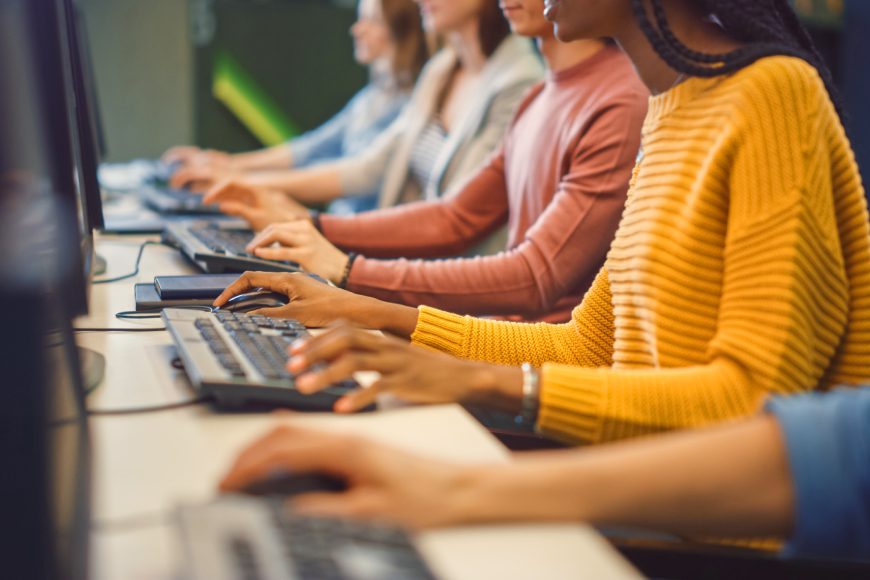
<point x="566" y="245"/>
<point x="426" y="229"/>
<point x="782" y="263"/>
<point x="828" y="445"/>
<point x="586" y="341"/>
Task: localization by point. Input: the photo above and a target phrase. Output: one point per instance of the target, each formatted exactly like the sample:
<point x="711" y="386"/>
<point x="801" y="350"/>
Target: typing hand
<point x="257" y="206"/>
<point x="199" y="178"/>
<point x="383" y="483"/>
<point x="299" y="241"/>
<point x="180" y="154"/>
<point x="312" y="303"/>
<point x="407" y="371"/>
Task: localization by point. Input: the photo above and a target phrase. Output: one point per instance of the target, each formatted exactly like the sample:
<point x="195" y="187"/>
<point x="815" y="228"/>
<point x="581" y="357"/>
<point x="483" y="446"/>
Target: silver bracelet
<point x="531" y="391"/>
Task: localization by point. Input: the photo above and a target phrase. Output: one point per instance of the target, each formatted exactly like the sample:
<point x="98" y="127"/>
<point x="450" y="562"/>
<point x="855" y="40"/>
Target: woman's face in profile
<point x="579" y="19"/>
<point x="371" y="36"/>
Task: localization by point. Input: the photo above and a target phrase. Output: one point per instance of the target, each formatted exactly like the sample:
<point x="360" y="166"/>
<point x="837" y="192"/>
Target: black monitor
<point x="38" y="41"/>
<point x="86" y="139"/>
<point x="45" y="483"/>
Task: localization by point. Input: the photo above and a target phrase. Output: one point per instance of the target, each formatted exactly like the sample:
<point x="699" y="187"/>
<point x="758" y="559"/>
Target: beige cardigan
<point x="509" y="72"/>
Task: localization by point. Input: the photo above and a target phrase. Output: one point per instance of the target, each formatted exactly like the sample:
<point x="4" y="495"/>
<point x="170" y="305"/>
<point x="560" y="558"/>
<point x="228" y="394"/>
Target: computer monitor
<point x="86" y="140"/>
<point x="44" y="441"/>
<point x="39" y="72"/>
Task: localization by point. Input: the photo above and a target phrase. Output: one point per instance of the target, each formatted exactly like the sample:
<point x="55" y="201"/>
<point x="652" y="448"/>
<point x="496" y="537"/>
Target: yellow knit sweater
<point x="741" y="268"/>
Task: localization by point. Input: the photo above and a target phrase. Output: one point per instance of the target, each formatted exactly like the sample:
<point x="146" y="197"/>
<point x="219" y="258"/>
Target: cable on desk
<point x="135" y="271"/>
<point x="155" y="312"/>
<point x="152" y="409"/>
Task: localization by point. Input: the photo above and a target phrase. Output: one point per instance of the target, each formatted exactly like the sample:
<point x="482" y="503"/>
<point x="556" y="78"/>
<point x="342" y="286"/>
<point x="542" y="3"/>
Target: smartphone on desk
<point x="199" y="286"/>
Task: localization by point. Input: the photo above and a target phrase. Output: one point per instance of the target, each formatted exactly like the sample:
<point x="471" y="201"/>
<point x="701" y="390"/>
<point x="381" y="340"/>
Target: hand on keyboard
<point x="406" y="371"/>
<point x="377" y="476"/>
<point x="259" y="207"/>
<point x="299" y="241"/>
<point x="313" y="303"/>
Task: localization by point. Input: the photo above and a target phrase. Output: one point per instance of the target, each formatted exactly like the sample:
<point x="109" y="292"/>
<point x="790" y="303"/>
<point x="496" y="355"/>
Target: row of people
<point x="740" y="269"/>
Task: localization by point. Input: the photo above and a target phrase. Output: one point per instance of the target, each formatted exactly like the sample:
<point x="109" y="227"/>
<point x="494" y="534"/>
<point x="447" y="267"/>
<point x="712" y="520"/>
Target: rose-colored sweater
<point x="559" y="182"/>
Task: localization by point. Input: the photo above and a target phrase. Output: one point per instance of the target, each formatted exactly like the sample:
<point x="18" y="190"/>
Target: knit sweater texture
<point x="740" y="269"/>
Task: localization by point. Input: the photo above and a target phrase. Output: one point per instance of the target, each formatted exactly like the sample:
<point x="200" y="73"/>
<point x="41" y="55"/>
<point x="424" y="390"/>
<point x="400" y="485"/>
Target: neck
<point x="466" y="42"/>
<point x="690" y="26"/>
<point x="563" y="55"/>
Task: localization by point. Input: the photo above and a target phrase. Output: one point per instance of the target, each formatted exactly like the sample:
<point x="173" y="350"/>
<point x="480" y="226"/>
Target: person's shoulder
<point x="769" y="82"/>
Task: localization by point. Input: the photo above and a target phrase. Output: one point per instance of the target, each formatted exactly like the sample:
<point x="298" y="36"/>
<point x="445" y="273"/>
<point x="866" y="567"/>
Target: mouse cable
<point x="152" y="409"/>
<point x="135" y="271"/>
<point x="155" y="312"/>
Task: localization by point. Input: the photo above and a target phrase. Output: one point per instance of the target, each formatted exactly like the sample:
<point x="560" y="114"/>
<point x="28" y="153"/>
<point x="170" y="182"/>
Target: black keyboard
<point x="240" y="359"/>
<point x="267" y="352"/>
<point x="222" y="240"/>
<point x="327" y="548"/>
<point x="220" y="248"/>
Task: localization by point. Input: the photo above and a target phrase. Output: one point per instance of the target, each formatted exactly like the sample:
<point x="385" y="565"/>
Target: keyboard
<point x="239" y="359"/>
<point x="259" y="539"/>
<point x="164" y="199"/>
<point x="219" y="247"/>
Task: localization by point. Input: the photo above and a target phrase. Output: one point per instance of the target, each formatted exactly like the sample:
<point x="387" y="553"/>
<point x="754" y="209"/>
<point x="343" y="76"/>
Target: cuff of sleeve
<point x="298" y="153"/>
<point x="810" y="432"/>
<point x="571" y="403"/>
<point x="440" y="330"/>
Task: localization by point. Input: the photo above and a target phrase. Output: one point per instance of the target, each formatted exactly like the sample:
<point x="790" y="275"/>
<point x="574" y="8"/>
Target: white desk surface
<point x="144" y="465"/>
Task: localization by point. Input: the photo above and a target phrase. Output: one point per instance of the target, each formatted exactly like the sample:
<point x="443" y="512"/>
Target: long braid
<point x="767" y="27"/>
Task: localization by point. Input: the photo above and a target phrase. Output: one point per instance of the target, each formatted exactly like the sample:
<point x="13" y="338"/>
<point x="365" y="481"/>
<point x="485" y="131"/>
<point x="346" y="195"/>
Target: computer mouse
<point x="284" y="483"/>
<point x="254" y="300"/>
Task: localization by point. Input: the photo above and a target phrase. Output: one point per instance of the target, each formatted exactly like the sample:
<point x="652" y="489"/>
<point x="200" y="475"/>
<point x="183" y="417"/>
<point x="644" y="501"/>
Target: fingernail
<point x="297" y="345"/>
<point x="305" y="383"/>
<point x="296" y="363"/>
<point x="343" y="406"/>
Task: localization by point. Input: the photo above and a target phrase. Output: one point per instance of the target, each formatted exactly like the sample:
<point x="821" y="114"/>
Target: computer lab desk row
<point x="144" y="465"/>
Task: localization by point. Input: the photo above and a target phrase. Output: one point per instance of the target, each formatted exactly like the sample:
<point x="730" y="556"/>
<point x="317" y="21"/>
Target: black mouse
<point x="254" y="300"/>
<point x="286" y="484"/>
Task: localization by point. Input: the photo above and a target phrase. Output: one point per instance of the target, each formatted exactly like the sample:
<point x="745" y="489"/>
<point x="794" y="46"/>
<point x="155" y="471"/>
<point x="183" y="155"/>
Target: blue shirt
<point x="348" y="133"/>
<point x="828" y="442"/>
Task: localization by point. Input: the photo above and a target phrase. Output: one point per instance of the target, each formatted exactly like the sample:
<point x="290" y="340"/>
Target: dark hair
<point x="768" y="27"/>
<point x="494" y="28"/>
<point x="402" y="18"/>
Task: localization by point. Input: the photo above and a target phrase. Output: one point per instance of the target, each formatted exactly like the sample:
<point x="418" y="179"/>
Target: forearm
<point x="416" y="230"/>
<point x="728" y="481"/>
<point x="277" y="157"/>
<point x="395" y="319"/>
<point x="309" y="186"/>
<point x="490" y="285"/>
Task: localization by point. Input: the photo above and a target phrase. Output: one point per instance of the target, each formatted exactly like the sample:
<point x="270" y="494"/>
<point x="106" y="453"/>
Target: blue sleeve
<point x="327" y="141"/>
<point x="828" y="442"/>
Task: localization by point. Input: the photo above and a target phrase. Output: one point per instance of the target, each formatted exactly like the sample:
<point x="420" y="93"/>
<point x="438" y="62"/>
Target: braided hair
<point x="767" y="27"/>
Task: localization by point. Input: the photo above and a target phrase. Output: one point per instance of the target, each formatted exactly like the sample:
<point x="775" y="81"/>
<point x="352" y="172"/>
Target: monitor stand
<point x="93" y="366"/>
<point x="99" y="265"/>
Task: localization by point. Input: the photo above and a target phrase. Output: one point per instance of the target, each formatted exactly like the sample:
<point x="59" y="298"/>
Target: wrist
<point x="496" y="386"/>
<point x="395" y="319"/>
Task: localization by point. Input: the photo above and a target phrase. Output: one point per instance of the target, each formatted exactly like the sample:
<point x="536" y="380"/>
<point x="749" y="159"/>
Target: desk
<point x="144" y="465"/>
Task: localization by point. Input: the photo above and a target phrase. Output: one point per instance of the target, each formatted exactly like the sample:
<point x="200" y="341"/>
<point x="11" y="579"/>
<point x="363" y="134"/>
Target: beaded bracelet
<point x="351" y="256"/>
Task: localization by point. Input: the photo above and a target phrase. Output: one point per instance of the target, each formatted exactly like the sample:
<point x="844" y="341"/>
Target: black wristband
<point x="351" y="256"/>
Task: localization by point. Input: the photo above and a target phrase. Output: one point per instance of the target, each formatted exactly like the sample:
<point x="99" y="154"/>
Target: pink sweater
<point x="559" y="181"/>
